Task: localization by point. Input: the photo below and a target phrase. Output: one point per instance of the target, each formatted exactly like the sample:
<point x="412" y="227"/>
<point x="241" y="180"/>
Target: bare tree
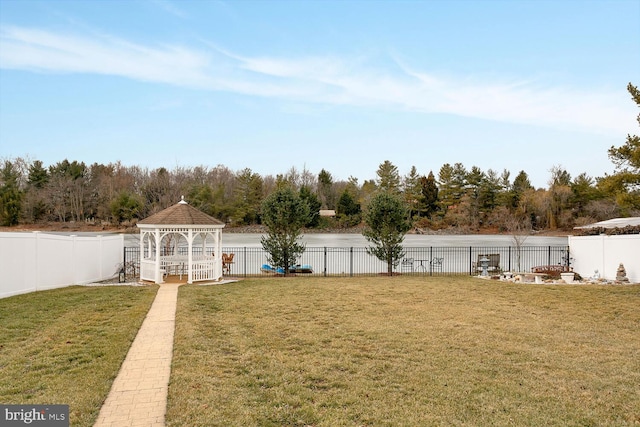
<point x="520" y="228"/>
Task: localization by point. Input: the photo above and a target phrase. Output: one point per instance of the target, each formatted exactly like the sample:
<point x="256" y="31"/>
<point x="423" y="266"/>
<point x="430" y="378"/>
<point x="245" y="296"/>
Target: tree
<point x="158" y="190"/>
<point x="583" y="192"/>
<point x="314" y="205"/>
<point x="475" y="180"/>
<point x="284" y="214"/>
<point x="35" y="198"/>
<point x="10" y="195"/>
<point x="559" y="195"/>
<point x="125" y="207"/>
<point x="411" y="190"/>
<point x="388" y="177"/>
<point x="348" y="210"/>
<point x="200" y="196"/>
<point x="325" y="190"/>
<point x="520" y="227"/>
<point x="625" y="183"/>
<point x="386" y="224"/>
<point x="627" y="157"/>
<point x="68" y="190"/>
<point x="247" y="197"/>
<point x="520" y="184"/>
<point x="452" y="180"/>
<point x="38" y="176"/>
<point x="429" y="190"/>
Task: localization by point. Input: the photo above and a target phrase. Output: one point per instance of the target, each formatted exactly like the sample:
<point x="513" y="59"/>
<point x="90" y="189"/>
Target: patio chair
<point x="436" y="263"/>
<point x="227" y="260"/>
<point x="406" y="264"/>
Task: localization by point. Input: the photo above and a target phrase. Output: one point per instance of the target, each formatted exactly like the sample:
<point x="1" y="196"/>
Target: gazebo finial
<point x="182" y="201"/>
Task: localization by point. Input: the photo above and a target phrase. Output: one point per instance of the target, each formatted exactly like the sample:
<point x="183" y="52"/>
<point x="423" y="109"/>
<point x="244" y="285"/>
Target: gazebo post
<point x="158" y="264"/>
<point x="190" y="256"/>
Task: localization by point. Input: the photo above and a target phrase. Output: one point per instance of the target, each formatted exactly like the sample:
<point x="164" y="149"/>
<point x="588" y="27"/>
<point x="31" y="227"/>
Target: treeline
<point x="468" y="199"/>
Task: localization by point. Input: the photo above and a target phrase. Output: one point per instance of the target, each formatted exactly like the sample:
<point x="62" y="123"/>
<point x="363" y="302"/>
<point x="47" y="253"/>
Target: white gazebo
<point x="181" y="241"/>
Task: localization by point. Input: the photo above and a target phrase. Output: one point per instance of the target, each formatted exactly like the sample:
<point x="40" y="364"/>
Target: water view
<point x="343" y="240"/>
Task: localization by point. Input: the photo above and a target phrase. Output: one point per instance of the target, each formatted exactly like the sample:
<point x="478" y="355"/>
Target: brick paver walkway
<point x="138" y="396"/>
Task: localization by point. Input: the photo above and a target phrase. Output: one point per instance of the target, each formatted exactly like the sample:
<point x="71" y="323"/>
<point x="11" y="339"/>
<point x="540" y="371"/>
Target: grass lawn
<point x="65" y="346"/>
<point x="405" y="351"/>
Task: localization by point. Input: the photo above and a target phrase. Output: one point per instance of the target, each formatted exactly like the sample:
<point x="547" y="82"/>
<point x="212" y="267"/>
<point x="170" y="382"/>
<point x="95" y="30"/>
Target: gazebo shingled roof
<point x="180" y="214"/>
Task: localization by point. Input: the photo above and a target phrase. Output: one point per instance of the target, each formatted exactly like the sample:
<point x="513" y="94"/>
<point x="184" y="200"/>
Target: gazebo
<point x="181" y="241"/>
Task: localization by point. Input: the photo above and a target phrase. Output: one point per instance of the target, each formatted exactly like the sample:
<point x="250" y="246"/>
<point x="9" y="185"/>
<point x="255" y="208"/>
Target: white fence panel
<point x="54" y="261"/>
<point x="604" y="254"/>
<point x="17" y="250"/>
<point x="39" y="261"/>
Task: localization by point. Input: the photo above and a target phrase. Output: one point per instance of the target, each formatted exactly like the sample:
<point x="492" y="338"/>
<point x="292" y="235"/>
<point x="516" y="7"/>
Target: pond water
<point x="343" y="240"/>
<point x="348" y="240"/>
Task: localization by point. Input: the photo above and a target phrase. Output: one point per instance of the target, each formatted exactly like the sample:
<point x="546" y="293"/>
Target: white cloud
<point x="325" y="80"/>
<point x="170" y="8"/>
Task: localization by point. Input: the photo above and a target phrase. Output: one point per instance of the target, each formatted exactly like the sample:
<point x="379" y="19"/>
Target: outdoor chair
<point x="227" y="260"/>
<point x="406" y="264"/>
<point x="436" y="264"/>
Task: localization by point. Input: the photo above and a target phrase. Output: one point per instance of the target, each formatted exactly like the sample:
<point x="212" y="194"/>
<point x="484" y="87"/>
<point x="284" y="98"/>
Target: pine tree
<point x="284" y="214"/>
<point x="386" y="220"/>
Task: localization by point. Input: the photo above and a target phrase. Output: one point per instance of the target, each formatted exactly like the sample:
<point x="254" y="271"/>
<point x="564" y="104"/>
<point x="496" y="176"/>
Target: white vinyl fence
<point x="605" y="253"/>
<point x="37" y="261"/>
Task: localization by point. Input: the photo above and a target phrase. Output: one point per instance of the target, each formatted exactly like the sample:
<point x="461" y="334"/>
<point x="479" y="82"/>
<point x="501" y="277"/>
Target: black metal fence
<point x="356" y="261"/>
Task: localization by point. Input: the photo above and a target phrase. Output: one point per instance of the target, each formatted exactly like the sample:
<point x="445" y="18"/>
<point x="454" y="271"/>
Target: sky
<point x="336" y="85"/>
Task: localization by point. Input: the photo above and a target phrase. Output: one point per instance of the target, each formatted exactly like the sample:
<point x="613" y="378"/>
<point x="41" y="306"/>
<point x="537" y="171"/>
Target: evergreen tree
<point x="583" y="192"/>
<point x="247" y="197"/>
<point x="411" y="190"/>
<point x="521" y="184"/>
<point x="10" y="195"/>
<point x="125" y="207"/>
<point x="429" y="190"/>
<point x="452" y="184"/>
<point x="386" y="221"/>
<point x="624" y="184"/>
<point x="200" y="196"/>
<point x="348" y="211"/>
<point x="388" y="177"/>
<point x="559" y="194"/>
<point x="313" y="204"/>
<point x="284" y="214"/>
<point x="38" y="176"/>
<point x="326" y="193"/>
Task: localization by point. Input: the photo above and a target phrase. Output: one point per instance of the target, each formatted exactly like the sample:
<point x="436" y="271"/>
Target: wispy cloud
<point x="170" y="7"/>
<point x="324" y="80"/>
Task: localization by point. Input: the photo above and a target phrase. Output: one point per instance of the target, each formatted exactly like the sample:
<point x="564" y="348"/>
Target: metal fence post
<point x="430" y="260"/>
<point x="351" y="261"/>
<point x="325" y="262"/>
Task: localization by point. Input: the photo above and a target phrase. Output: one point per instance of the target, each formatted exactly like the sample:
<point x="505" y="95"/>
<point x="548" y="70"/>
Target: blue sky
<point x="339" y="85"/>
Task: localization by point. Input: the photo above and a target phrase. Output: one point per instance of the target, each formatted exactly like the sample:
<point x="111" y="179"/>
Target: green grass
<point x="65" y="346"/>
<point x="405" y="351"/>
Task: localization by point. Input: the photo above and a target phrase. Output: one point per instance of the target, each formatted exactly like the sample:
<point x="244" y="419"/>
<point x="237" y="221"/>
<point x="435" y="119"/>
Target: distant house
<point x="327" y="212"/>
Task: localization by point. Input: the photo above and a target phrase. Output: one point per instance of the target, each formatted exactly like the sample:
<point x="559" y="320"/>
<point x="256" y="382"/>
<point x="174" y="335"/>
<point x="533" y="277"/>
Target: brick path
<point x="138" y="396"/>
